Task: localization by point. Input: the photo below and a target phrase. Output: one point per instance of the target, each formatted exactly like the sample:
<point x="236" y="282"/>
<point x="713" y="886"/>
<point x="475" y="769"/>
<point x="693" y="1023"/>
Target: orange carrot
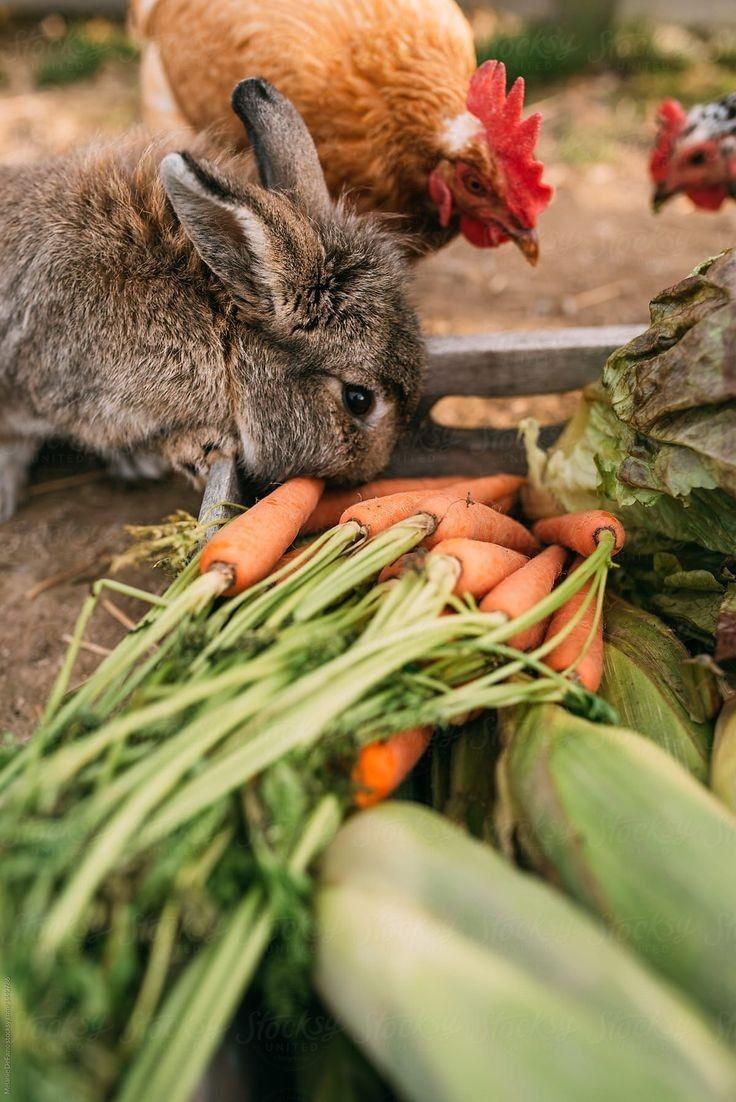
<point x="506" y="503"/>
<point x="480" y="522"/>
<point x="523" y="590"/>
<point x="412" y="560"/>
<point x="253" y="543"/>
<point x="293" y="554"/>
<point x="589" y="669"/>
<point x="489" y="489"/>
<point x="382" y="766"/>
<point x="380" y="513"/>
<point x="334" y="502"/>
<point x="580" y="531"/>
<point x="482" y="565"/>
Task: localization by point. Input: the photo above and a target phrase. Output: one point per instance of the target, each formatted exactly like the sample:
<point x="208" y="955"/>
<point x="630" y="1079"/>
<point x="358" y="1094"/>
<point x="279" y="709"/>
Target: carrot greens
<point x="158" y="830"/>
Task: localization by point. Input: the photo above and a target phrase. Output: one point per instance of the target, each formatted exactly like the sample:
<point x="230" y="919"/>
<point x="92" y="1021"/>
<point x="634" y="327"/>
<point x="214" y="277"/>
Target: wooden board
<point x="506" y="365"/>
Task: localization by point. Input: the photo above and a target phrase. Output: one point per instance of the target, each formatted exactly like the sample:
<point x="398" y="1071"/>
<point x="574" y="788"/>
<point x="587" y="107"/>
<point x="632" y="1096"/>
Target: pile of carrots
<point x="502" y="565"/>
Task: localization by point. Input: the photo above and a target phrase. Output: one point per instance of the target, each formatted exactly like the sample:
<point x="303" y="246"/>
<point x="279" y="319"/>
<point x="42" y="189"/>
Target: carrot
<point x="412" y="560"/>
<point x="506" y="503"/>
<point x="482" y="565"/>
<point x="382" y="766"/>
<point x="589" y="670"/>
<point x="253" y="543"/>
<point x="293" y="554"/>
<point x="480" y="522"/>
<point x="380" y="513"/>
<point x="523" y="590"/>
<point x="580" y="531"/>
<point x="334" y="502"/>
<point x="490" y="489"/>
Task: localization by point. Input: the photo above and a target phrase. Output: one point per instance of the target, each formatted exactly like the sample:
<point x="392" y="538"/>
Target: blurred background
<point x="596" y="69"/>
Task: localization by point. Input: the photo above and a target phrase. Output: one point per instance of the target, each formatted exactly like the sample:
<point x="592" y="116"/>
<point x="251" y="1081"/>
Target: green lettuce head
<point x="655" y="440"/>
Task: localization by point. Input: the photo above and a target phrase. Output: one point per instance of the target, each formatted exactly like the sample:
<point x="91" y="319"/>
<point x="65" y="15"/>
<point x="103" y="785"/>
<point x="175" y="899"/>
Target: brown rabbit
<point x="156" y="304"/>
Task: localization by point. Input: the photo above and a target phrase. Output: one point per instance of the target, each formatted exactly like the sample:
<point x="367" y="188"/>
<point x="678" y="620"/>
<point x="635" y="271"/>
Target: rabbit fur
<point x="159" y="304"/>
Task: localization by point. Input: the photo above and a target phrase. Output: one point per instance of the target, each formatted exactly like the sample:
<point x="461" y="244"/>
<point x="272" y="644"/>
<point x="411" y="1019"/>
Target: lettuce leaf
<point x="655" y="442"/>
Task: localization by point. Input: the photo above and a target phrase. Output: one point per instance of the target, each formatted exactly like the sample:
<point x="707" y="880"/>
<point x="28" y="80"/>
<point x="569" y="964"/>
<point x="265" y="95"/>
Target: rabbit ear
<point x="230" y="235"/>
<point x="285" y="153"/>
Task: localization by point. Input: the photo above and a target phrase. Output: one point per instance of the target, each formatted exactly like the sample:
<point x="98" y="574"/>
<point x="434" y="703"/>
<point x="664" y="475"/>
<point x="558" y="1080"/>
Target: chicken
<point x="402" y="122"/>
<point x="695" y="153"/>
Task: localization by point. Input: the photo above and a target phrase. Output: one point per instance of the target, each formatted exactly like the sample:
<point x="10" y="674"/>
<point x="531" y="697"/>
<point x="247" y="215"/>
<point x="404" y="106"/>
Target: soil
<point x="603" y="257"/>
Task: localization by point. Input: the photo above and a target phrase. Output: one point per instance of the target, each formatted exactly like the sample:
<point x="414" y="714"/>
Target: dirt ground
<point x="603" y="257"/>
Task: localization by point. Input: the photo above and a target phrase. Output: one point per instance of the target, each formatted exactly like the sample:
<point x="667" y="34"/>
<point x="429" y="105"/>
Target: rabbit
<point x="159" y="303"/>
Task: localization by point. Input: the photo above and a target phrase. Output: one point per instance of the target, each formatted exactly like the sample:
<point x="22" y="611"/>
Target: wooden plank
<point x="438" y="450"/>
<point x="114" y="8"/>
<point x="505" y="365"/>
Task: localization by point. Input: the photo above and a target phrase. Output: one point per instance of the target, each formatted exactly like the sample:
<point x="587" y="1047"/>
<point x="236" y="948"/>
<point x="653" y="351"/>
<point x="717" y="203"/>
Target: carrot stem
<point x="365" y="563"/>
<point x="62" y="681"/>
<point x="251" y="607"/>
<point x="171" y="1066"/>
<point x="191" y="601"/>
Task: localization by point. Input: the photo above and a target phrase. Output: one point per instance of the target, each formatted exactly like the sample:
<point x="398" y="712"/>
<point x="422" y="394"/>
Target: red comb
<point x="671" y="117"/>
<point x="511" y="139"/>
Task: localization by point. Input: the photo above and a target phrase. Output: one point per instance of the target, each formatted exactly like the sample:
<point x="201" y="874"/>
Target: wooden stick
<point x="64" y="576"/>
<point x="117" y="614"/>
<point x="65" y="483"/>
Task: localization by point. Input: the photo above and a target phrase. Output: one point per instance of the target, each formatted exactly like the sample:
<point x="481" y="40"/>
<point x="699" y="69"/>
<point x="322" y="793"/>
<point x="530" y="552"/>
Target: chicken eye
<point x="474" y="185"/>
<point x="697" y="159"/>
<point x="358" y="400"/>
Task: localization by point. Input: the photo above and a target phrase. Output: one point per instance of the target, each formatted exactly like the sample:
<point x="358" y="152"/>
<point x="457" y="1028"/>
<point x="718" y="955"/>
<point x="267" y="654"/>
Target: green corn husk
<point x="465" y="979"/>
<point x="625" y="830"/>
<point x="462" y="778"/>
<point x="645" y="679"/>
<point x="723" y="762"/>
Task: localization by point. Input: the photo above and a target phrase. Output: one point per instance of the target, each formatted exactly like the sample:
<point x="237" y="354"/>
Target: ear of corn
<point x="463" y="787"/>
<point x="723" y="762"/>
<point x="628" y="832"/>
<point x="465" y="979"/>
<point x="644" y="680"/>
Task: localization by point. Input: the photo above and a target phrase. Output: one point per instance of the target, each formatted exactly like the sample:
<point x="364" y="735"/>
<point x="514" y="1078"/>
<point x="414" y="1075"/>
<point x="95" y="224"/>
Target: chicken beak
<point x="660" y="196"/>
<point x="528" y="242"/>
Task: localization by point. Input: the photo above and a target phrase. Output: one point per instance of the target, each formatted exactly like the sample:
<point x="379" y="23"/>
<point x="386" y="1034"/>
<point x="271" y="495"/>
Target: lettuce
<point x="655" y="442"/>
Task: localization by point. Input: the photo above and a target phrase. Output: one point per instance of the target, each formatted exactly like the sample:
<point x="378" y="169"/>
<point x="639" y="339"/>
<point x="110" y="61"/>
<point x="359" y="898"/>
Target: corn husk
<point x="645" y="678"/>
<point x="464" y="979"/>
<point x="628" y="832"/>
<point x="723" y="762"/>
<point x="463" y="777"/>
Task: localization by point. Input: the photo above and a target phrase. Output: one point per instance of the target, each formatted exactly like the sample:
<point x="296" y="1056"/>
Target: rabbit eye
<point x="358" y="400"/>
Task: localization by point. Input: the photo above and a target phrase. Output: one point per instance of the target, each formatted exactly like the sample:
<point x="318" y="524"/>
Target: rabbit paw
<point x="142" y="466"/>
<point x="15" y="459"/>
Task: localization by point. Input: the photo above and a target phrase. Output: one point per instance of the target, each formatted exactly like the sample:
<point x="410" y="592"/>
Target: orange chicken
<point x="403" y="122"/>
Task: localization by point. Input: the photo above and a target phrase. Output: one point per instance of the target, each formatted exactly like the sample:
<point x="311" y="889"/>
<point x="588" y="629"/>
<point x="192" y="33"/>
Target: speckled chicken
<point x="403" y="122"/>
<point x="695" y="153"/>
